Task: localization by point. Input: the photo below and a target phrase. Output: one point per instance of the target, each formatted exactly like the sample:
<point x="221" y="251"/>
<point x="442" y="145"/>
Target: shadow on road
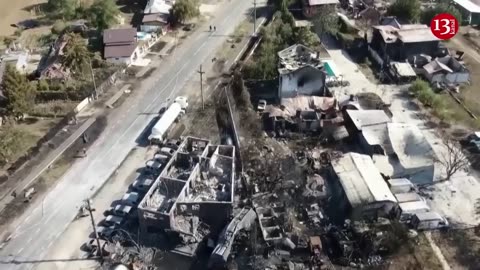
<point x="14" y="261"/>
<point x="142" y="139"/>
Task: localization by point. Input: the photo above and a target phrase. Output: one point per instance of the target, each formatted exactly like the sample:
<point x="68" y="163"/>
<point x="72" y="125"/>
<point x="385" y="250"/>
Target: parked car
<point x="153" y="166"/>
<point x="112" y="220"/>
<point x="122" y="210"/>
<point x="171" y="143"/>
<point x="131" y="198"/>
<point x="472" y="142"/>
<point x="166" y="151"/>
<point x="163" y="159"/>
<point x="142" y="185"/>
<point x="262" y="104"/>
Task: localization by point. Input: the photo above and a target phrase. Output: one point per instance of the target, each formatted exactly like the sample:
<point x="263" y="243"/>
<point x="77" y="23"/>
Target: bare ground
<point x="461" y="248"/>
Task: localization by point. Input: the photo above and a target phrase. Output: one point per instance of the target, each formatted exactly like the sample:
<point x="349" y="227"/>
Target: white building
<point x="300" y="72"/>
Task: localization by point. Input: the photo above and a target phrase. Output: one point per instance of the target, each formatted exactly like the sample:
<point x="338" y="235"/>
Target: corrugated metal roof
<point x="121" y="35"/>
<point x="361" y="180"/>
<point x="429" y="216"/>
<point x="408" y="197"/>
<point x="468" y="5"/>
<point x="414" y="207"/>
<point x="400" y="182"/>
<point x="404" y="69"/>
<point x="362" y="118"/>
<point x="119" y="51"/>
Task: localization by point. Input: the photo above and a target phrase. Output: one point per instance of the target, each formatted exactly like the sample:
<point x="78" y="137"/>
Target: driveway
<point x="456" y="198"/>
<point x="40" y="227"/>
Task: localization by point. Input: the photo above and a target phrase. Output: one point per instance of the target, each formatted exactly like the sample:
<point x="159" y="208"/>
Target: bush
<point x="58" y="27"/>
<point x="426" y="96"/>
<point x="45" y="96"/>
<point x="43" y="85"/>
<point x="418" y="86"/>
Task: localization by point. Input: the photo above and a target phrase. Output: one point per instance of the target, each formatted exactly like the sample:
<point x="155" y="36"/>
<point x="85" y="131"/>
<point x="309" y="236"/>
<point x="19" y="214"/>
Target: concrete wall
<point x="305" y="81"/>
<point x="214" y="214"/>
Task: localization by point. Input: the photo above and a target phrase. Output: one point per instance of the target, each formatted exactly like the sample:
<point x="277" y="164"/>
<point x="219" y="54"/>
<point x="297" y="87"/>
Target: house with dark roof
<point x="392" y="41"/>
<point x="157" y="23"/>
<point x="310" y="8"/>
<point x="120" y="45"/>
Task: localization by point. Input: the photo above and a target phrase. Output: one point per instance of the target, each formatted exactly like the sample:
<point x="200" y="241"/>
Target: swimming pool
<point x="330" y="68"/>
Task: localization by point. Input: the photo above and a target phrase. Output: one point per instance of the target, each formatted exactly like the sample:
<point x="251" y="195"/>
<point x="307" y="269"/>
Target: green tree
<point x="76" y="56"/>
<point x="19" y="91"/>
<point x="103" y="14"/>
<point x="184" y="10"/>
<point x="304" y="36"/>
<point x="62" y="8"/>
<point x="428" y="14"/>
<point x="408" y="10"/>
<point x="11" y="140"/>
<point x="326" y="21"/>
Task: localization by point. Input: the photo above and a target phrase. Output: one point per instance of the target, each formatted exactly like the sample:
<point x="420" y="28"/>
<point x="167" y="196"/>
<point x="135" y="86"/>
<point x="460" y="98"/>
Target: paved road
<point x="41" y="227"/>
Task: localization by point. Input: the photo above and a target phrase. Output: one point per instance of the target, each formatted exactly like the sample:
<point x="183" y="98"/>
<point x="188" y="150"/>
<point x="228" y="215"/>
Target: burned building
<point x="359" y="189"/>
<point x="302" y="113"/>
<point x="194" y="191"/>
<point x="395" y="42"/>
<point x="300" y="72"/>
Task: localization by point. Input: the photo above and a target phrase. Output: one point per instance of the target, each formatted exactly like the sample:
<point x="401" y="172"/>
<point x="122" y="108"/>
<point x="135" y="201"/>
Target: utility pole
<point x="254" y="17"/>
<point x="90" y="211"/>
<point x="93" y="79"/>
<point x="201" y="72"/>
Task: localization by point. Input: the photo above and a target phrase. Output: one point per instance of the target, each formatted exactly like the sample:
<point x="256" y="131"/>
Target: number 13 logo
<point x="444" y="26"/>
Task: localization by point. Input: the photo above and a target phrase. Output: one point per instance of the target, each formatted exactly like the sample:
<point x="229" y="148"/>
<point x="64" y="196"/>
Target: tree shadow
<point x="131" y="6"/>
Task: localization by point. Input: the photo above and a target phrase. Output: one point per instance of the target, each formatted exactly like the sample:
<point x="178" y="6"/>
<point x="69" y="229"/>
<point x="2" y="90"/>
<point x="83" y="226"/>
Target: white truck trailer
<point x="159" y="130"/>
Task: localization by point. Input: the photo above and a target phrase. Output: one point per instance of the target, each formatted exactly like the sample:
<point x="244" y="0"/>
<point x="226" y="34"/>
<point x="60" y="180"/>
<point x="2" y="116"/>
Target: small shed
<point x="410" y="208"/>
<point x="400" y="185"/>
<point x="408" y="197"/>
<point x="402" y="72"/>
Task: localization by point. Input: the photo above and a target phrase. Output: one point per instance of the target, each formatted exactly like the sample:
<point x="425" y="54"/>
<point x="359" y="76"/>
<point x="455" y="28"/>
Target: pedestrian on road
<point x="214" y="28"/>
<point x="210" y="28"/>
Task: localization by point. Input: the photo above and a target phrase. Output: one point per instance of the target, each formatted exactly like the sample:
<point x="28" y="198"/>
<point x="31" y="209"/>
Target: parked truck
<point x="174" y="111"/>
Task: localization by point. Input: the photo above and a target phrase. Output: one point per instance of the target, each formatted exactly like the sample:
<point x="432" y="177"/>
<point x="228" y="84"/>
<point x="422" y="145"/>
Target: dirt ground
<point x="469" y="94"/>
<point x="16" y="11"/>
<point x="461" y="248"/>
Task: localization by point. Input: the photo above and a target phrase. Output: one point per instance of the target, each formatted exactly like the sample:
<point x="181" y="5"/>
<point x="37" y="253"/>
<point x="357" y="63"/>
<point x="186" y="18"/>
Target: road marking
<point x="199" y="48"/>
<point x="20" y="250"/>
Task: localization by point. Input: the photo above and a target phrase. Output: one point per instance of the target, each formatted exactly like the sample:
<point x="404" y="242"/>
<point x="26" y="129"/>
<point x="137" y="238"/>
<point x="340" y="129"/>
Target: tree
<point x="103" y="14"/>
<point x="408" y="10"/>
<point x="76" y="56"/>
<point x="453" y="160"/>
<point x="428" y="14"/>
<point x="184" y="10"/>
<point x="62" y="8"/>
<point x="20" y="92"/>
<point x="11" y="140"/>
<point x="326" y="21"/>
<point x="306" y="37"/>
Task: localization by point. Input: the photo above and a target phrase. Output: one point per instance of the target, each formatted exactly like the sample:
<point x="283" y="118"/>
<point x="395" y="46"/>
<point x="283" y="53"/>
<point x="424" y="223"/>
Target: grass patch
<point x="57" y="108"/>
